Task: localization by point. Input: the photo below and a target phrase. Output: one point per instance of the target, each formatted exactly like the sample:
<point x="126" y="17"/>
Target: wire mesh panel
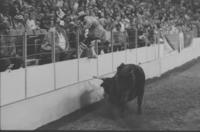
<point x="119" y="45"/>
<point x="65" y="45"/>
<point x="11" y="52"/>
<point x="36" y="53"/>
<point x="132" y="35"/>
<point x="120" y="40"/>
<point x="104" y="47"/>
<point x="105" y="55"/>
<point x="132" y="47"/>
<point x="87" y="53"/>
<point x="12" y="84"/>
<point x="66" y="70"/>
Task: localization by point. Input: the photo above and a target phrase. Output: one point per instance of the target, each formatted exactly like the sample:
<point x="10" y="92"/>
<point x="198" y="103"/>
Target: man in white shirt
<point x="61" y="42"/>
<point x="30" y="23"/>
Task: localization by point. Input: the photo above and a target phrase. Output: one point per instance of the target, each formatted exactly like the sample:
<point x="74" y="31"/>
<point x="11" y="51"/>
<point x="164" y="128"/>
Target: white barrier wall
<point x="40" y="79"/>
<point x="66" y="73"/>
<point x="87" y="68"/>
<point x="118" y="58"/>
<point x="102" y="60"/>
<point x="34" y="112"/>
<point x="12" y="86"/>
<point x="151" y="53"/>
<point x="141" y="54"/>
<point x="151" y="69"/>
<point x="46" y="101"/>
<point x="132" y="56"/>
<point x="170" y="61"/>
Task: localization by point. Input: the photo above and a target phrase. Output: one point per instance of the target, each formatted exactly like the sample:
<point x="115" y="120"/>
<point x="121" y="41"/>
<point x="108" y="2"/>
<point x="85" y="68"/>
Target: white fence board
<point x="151" y="69"/>
<point x="87" y="68"/>
<point x="131" y="56"/>
<point x="12" y="86"/>
<point x="40" y="79"/>
<point x="169" y="62"/>
<point x="118" y="58"/>
<point x="141" y="54"/>
<point x="105" y="64"/>
<point x="66" y="73"/>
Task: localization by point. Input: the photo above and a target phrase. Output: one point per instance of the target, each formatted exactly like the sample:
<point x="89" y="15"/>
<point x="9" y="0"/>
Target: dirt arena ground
<point x="171" y="102"/>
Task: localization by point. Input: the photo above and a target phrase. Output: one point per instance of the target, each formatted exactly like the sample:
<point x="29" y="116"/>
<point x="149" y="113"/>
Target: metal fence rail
<point x="29" y="46"/>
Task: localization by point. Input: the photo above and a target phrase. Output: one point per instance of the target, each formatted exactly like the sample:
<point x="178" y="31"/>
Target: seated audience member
<point x="61" y="42"/>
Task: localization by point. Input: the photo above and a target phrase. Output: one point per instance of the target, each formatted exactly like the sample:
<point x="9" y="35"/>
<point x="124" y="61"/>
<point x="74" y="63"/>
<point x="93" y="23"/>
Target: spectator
<point x="101" y="16"/>
<point x="7" y="45"/>
<point x="18" y="23"/>
<point x="61" y="42"/>
<point x="119" y="38"/>
<point x="31" y="23"/>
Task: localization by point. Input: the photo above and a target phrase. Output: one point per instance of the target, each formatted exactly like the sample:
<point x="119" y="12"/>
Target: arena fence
<point x="47" y="81"/>
<point x="25" y="52"/>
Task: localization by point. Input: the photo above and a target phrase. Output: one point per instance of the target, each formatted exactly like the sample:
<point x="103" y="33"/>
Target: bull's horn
<point x="95" y="77"/>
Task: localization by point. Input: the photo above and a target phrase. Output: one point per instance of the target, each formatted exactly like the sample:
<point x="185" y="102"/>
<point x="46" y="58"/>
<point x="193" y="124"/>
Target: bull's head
<point x="110" y="93"/>
<point x="107" y="84"/>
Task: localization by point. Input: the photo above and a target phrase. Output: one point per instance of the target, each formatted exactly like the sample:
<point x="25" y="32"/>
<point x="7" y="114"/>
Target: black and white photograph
<point x="86" y="65"/>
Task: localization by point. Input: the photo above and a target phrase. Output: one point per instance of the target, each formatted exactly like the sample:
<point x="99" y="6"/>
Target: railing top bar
<point x="11" y="35"/>
<point x="22" y="35"/>
<point x="2" y="58"/>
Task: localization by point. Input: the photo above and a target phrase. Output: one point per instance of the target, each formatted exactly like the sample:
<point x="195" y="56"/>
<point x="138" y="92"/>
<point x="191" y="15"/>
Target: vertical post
<point x="25" y="60"/>
<point x="111" y="41"/>
<point x="0" y="100"/>
<point x="180" y="41"/>
<point x="146" y="47"/>
<point x="78" y="53"/>
<point x="0" y="91"/>
<point x="136" y="43"/>
<point x="159" y="57"/>
<point x="97" y="52"/>
<point x="54" y="48"/>
<point x="126" y="42"/>
<point x="155" y="46"/>
<point x="25" y="49"/>
<point x="54" y="57"/>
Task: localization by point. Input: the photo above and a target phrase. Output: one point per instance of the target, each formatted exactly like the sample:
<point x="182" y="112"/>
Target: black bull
<point x="127" y="84"/>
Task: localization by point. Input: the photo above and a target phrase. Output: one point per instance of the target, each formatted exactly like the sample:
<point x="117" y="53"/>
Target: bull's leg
<point x="139" y="103"/>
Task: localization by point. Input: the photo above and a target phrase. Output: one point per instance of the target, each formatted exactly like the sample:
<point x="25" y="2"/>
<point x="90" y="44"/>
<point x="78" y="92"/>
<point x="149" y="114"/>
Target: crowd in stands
<point x="149" y="17"/>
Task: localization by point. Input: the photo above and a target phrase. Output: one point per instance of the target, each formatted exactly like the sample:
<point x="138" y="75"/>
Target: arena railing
<point x="57" y="73"/>
<point x="29" y="46"/>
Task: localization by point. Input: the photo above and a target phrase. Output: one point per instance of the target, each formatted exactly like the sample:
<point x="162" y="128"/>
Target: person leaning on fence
<point x="61" y="42"/>
<point x="95" y="31"/>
